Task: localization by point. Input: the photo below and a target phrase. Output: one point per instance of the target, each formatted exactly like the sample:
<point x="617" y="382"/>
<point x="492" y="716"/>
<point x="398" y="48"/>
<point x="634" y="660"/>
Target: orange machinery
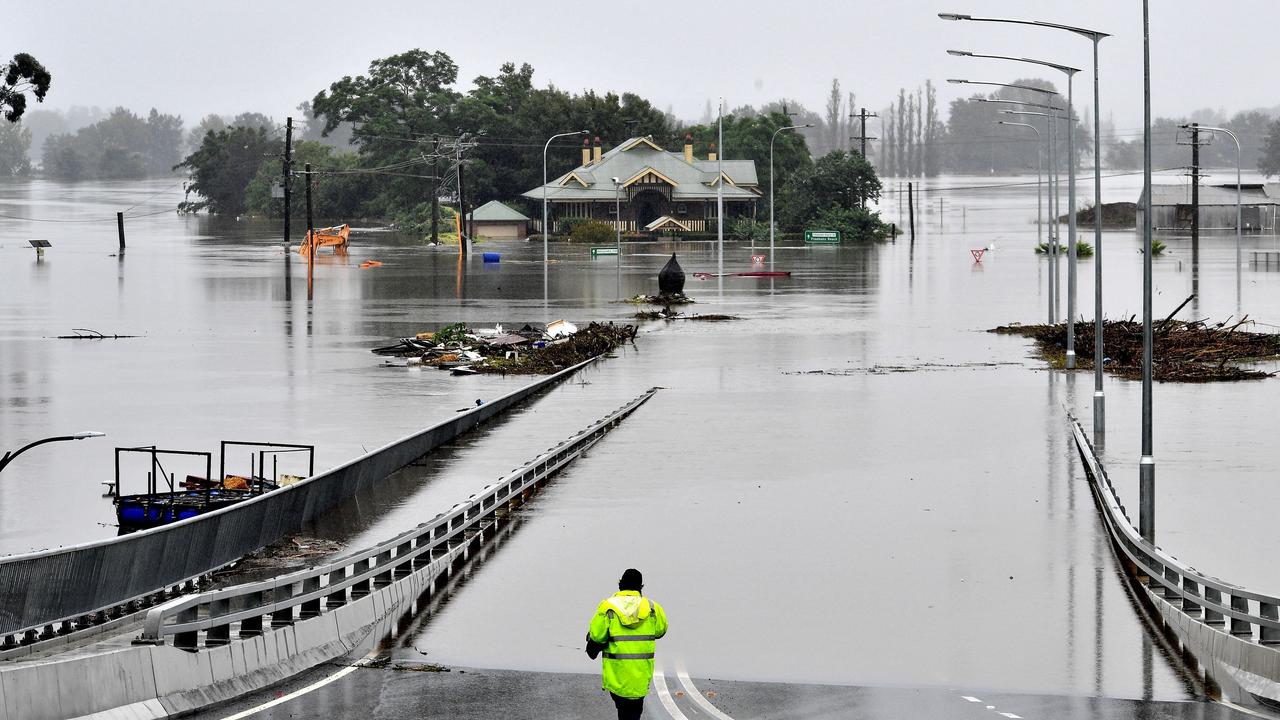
<point x="335" y="237"/>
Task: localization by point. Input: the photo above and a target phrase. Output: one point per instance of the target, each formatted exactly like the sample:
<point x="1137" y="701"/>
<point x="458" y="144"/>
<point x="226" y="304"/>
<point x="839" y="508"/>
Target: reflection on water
<point x="931" y="519"/>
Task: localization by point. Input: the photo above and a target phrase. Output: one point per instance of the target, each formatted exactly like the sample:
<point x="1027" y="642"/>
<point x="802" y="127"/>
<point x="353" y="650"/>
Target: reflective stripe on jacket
<point x="628" y="624"/>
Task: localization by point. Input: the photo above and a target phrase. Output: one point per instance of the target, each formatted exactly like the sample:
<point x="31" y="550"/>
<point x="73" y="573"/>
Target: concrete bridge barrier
<point x="201" y="649"/>
<point x="44" y="594"/>
<point x="1233" y="632"/>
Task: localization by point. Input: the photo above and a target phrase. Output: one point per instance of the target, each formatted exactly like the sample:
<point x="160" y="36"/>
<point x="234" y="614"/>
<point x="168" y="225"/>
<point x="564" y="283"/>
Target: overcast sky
<point x="228" y="56"/>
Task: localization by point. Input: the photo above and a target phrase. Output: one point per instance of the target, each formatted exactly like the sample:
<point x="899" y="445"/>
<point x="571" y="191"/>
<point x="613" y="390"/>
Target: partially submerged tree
<point x="22" y="74"/>
<point x="222" y="167"/>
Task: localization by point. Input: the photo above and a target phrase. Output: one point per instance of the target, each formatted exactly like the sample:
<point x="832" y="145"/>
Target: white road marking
<point x="695" y="694"/>
<point x="660" y="685"/>
<point x="303" y="691"/>
<point x="1011" y="715"/>
<point x="970" y="699"/>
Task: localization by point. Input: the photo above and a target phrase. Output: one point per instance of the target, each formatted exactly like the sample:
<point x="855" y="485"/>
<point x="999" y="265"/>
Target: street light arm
<point x="1091" y="34"/>
<point x="1008" y="85"/>
<point x="1019" y="102"/>
<point x="9" y="456"/>
<point x="1064" y="68"/>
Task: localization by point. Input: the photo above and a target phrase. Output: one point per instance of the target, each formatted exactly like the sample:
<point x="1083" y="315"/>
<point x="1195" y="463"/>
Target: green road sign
<point x="603" y="250"/>
<point x="822" y="237"/>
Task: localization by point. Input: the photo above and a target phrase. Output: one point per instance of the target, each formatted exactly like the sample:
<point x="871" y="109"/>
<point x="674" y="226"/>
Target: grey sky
<point x="228" y="56"/>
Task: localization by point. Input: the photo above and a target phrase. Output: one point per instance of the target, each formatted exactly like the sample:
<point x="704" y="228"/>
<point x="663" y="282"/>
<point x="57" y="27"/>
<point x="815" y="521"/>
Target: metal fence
<point x="429" y="546"/>
<point x="1245" y="614"/>
<point x="51" y="592"/>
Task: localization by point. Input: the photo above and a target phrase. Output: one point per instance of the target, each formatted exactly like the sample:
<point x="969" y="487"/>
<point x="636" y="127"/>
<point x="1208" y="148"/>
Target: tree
<point x="1269" y="161"/>
<point x="339" y="191"/>
<point x="748" y="139"/>
<point x="222" y="167"/>
<point x="830" y="194"/>
<point x="15" y="141"/>
<point x="120" y="146"/>
<point x="22" y="74"/>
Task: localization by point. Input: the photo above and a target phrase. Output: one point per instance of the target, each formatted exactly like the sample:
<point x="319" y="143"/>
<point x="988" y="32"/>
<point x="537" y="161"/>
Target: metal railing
<point x="50" y="593"/>
<point x="1245" y="614"/>
<point x="308" y="593"/>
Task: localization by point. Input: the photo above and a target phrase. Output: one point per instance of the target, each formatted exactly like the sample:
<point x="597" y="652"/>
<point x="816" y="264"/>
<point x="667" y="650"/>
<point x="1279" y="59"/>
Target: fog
<point x="235" y="55"/>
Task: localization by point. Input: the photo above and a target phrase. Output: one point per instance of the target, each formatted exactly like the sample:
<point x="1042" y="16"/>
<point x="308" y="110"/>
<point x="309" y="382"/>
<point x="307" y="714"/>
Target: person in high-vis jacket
<point x="626" y="626"/>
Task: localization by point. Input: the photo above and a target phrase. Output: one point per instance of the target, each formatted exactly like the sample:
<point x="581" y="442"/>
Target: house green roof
<point x="494" y="211"/>
<point x="690" y="181"/>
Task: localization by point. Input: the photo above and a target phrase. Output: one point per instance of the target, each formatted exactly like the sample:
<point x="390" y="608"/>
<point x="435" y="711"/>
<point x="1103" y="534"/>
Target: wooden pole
<point x="311" y="237"/>
<point x="911" y="210"/>
<point x="120" y="229"/>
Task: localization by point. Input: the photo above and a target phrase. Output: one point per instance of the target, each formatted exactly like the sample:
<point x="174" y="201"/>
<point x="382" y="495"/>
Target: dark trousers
<point x="628" y="708"/>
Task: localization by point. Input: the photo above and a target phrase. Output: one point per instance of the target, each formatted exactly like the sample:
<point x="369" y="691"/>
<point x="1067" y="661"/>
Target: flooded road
<point x="854" y="483"/>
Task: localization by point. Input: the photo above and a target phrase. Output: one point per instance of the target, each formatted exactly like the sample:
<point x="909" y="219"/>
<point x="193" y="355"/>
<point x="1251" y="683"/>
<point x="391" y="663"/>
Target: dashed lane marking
<point x="970" y="699"/>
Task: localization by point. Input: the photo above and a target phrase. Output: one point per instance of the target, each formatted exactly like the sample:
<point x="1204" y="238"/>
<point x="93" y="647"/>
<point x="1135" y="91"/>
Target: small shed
<point x="1172" y="209"/>
<point x="499" y="222"/>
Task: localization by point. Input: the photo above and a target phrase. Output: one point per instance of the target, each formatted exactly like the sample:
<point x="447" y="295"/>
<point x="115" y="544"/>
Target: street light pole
<point x="1039" y="175"/>
<point x="617" y="223"/>
<point x="1099" y="401"/>
<point x="1147" y="464"/>
<point x="720" y="195"/>
<point x="1055" y="281"/>
<point x="9" y="456"/>
<point x="544" y="207"/>
<point x="1239" y="211"/>
<point x="771" y="223"/>
<point x="1071" y="186"/>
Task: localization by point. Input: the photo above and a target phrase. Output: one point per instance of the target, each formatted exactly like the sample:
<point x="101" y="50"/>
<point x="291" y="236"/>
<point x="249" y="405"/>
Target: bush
<point x="854" y="223"/>
<point x="744" y="228"/>
<point x="592" y="231"/>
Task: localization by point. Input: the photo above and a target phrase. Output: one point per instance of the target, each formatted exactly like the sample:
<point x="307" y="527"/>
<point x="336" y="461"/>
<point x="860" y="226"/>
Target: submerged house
<point x="658" y="190"/>
<point x="499" y="222"/>
<point x="1171" y="208"/>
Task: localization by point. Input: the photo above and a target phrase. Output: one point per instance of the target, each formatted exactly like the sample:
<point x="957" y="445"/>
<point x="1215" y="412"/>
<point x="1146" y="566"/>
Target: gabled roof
<point x="689" y="181"/>
<point x="647" y="172"/>
<point x="666" y="222"/>
<point x="494" y="211"/>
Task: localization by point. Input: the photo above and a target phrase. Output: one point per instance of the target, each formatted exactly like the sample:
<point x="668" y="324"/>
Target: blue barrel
<point x="492" y="257"/>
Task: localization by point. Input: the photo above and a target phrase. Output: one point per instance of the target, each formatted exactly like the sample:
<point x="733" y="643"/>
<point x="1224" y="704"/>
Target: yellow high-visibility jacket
<point x="628" y="624"/>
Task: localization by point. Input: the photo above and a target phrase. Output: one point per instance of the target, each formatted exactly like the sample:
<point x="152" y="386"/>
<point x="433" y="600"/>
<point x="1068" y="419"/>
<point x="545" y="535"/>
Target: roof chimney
<point x="586" y="152"/>
<point x="597" y="155"/>
<point x="711" y="156"/>
<point x="688" y="148"/>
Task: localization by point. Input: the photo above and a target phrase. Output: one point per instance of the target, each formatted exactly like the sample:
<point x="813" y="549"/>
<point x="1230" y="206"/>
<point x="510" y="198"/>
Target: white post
<point x="720" y="196"/>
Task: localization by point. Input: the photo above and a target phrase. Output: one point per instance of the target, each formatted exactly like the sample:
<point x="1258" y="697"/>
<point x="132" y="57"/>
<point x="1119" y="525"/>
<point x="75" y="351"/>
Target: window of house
<point x="682" y="209"/>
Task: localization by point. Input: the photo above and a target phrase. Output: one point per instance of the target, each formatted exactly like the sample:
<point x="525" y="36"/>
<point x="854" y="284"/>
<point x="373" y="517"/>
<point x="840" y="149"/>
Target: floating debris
<point x="667" y="313"/>
<point x="1184" y="351"/>
<point x="88" y="334"/>
<point x="527" y="351"/>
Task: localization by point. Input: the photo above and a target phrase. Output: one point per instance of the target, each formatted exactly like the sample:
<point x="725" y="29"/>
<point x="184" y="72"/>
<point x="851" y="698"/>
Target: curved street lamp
<point x="9" y="456"/>
<point x="1055" y="203"/>
<point x="1099" y="402"/>
<point x="1070" y="72"/>
<point x="544" y="205"/>
<point x="775" y="136"/>
<point x="1239" y="213"/>
<point x="1039" y="175"/>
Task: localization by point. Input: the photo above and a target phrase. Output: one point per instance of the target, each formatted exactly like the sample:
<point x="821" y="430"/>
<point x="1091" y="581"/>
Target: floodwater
<point x="853" y="483"/>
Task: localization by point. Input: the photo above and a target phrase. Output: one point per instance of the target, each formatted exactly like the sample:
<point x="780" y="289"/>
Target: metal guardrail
<point x="308" y="593"/>
<point x="53" y="592"/>
<point x="1245" y="614"/>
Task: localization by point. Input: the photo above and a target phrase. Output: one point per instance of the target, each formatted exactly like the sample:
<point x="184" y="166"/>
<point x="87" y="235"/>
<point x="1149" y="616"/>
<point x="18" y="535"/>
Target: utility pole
<point x="435" y="192"/>
<point x="311" y="238"/>
<point x="911" y="212"/>
<point x="285" y="170"/>
<point x="862" y="139"/>
<point x="463" y="230"/>
<point x="1195" y="185"/>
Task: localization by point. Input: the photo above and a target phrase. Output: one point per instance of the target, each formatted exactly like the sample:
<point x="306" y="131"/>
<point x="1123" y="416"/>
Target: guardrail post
<point x="189" y="640"/>
<point x="1189" y="591"/>
<point x="218" y="634"/>
<point x="1240" y="628"/>
<point x="1211" y="616"/>
<point x="1171" y="575"/>
<point x="252" y="627"/>
<point x="383" y="578"/>
<point x="283" y="616"/>
<point x="403" y="569"/>
<point x="1266" y="635"/>
<point x="339" y="596"/>
<point x="360" y="588"/>
<point x="310" y="608"/>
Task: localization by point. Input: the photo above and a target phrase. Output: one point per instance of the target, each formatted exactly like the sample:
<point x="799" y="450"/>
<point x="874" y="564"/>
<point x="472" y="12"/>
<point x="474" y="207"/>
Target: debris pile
<point x="527" y="351"/>
<point x="1184" y="351"/>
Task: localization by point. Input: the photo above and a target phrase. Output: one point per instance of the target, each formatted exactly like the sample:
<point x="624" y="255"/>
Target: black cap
<point x="631" y="580"/>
